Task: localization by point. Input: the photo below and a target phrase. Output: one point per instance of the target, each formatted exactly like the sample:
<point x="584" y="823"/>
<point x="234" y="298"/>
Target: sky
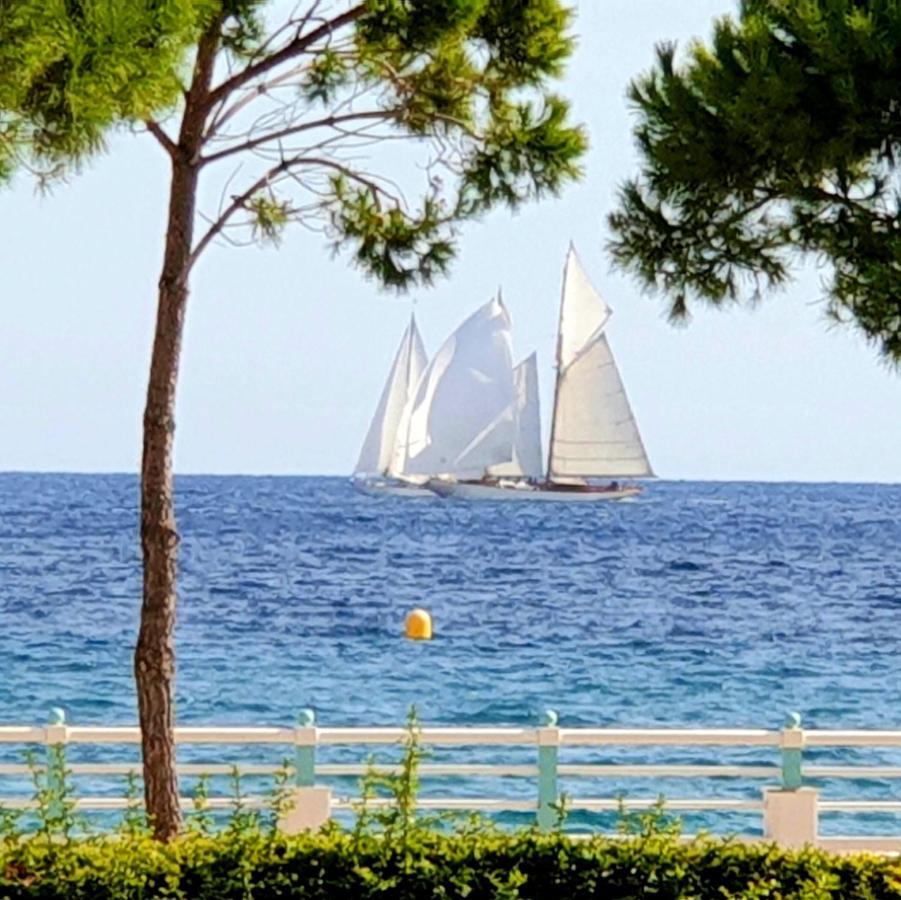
<point x="286" y="350"/>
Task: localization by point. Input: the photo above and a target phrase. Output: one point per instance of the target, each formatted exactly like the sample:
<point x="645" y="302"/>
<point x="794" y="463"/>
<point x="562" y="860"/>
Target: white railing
<point x="788" y="806"/>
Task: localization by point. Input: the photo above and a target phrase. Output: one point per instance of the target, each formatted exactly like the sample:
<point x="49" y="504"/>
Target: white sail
<point x="583" y="313"/>
<point x="526" y="462"/>
<point x="594" y="433"/>
<point x="379" y="447"/>
<point x="461" y="420"/>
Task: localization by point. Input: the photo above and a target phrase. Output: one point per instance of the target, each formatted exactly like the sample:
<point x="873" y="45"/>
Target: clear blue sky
<point x="286" y="350"/>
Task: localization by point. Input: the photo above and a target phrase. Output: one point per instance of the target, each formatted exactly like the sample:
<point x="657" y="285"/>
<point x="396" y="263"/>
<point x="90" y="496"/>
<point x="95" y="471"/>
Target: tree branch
<point x="164" y="140"/>
<point x="237" y="203"/>
<point x="328" y="122"/>
<point x="290" y="50"/>
<point x="240" y="201"/>
<point x="370" y="184"/>
<point x="223" y="115"/>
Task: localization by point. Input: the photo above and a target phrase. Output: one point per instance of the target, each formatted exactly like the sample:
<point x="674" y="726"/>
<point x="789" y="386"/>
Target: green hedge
<point x="468" y="866"/>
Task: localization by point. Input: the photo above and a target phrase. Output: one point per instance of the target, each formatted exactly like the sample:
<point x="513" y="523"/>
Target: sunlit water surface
<point x="701" y="604"/>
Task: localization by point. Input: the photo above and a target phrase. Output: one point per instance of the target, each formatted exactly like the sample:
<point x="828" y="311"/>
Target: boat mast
<point x="411" y="329"/>
<point x="550" y="448"/>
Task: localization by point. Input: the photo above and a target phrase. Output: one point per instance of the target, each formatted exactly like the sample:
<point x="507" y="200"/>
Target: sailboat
<point x="377" y="471"/>
<point x="594" y="434"/>
<point x="526" y="455"/>
<point x="461" y="420"/>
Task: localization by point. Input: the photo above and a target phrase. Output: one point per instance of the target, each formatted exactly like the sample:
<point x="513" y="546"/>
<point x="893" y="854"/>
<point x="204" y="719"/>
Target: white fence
<point x="781" y="790"/>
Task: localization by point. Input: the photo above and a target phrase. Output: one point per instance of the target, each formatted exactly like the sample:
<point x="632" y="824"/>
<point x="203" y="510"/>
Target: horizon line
<point x="664" y="480"/>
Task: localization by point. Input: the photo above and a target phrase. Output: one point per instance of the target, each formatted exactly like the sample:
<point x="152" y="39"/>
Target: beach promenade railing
<point x="779" y="788"/>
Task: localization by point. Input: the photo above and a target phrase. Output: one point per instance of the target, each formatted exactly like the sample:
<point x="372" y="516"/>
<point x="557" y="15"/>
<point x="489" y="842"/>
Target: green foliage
<point x="243" y="29"/>
<point x="53" y="796"/>
<point x="654" y="822"/>
<point x="780" y="135"/>
<point x="200" y="821"/>
<point x="525" y="154"/>
<point x="9" y="825"/>
<point x="397" y="820"/>
<point x="280" y="797"/>
<point x="528" y="40"/>
<point x="325" y="76"/>
<point x="268" y="216"/>
<point x="70" y="70"/>
<point x="491" y="865"/>
<point x="134" y="821"/>
<point x="470" y="74"/>
<point x="394" y="245"/>
<point x="468" y="80"/>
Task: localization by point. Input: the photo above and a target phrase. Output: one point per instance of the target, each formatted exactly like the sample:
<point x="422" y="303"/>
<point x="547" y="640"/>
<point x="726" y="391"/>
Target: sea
<point x="698" y="604"/>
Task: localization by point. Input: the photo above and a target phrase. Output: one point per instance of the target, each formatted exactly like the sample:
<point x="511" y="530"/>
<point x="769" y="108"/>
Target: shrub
<point x="339" y="866"/>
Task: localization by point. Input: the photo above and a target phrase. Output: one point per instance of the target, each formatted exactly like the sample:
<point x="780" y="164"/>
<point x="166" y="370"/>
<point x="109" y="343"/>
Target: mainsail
<point x="461" y="419"/>
<point x="526" y="462"/>
<point x="593" y="432"/>
<point x="379" y="448"/>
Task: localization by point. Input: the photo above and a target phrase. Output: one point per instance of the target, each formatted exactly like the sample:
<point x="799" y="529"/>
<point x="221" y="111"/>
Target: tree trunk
<point x="154" y="661"/>
<point x="155" y="653"/>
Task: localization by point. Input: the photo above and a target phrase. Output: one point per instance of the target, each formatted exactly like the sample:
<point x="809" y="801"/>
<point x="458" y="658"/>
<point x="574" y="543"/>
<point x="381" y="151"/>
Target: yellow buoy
<point x="419" y="625"/>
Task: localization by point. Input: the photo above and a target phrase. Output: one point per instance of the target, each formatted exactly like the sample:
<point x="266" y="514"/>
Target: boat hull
<point x="512" y="493"/>
<point x="388" y="488"/>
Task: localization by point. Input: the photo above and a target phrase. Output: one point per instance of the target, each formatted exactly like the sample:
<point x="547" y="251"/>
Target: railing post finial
<point x="306" y="718"/>
<point x="551" y="718"/>
<point x="57" y="715"/>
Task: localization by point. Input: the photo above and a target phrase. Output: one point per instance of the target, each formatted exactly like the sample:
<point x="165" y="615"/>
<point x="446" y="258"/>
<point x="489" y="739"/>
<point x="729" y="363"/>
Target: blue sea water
<point x="720" y="604"/>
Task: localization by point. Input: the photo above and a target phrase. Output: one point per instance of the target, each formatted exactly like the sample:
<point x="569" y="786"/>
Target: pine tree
<point x="297" y="116"/>
<point x="777" y="140"/>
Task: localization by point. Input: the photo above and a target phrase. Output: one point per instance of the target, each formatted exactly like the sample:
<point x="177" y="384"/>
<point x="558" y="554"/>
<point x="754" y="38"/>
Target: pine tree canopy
<point x="71" y="69"/>
<point x="382" y="123"/>
<point x="777" y="140"/>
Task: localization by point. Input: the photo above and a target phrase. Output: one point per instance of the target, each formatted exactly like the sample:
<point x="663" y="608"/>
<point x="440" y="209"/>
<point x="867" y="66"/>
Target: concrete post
<point x="790" y="818"/>
<point x="309" y="810"/>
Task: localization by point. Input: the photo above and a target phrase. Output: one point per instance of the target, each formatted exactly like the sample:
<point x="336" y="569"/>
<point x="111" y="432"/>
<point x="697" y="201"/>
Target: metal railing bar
<point x="434" y="770"/>
<point x="857" y="844"/>
<point x="17" y="734"/>
<point x="458" y="736"/>
<point x="104" y="804"/>
<point x="612" y="804"/>
<point x="431" y="736"/>
<point x="443" y="803"/>
<point x="668" y="771"/>
<point x="686" y="737"/>
<point x="135" y="768"/>
<point x="862" y="772"/>
<point x="868" y="806"/>
<point x="852" y="738"/>
<point x="183" y="735"/>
